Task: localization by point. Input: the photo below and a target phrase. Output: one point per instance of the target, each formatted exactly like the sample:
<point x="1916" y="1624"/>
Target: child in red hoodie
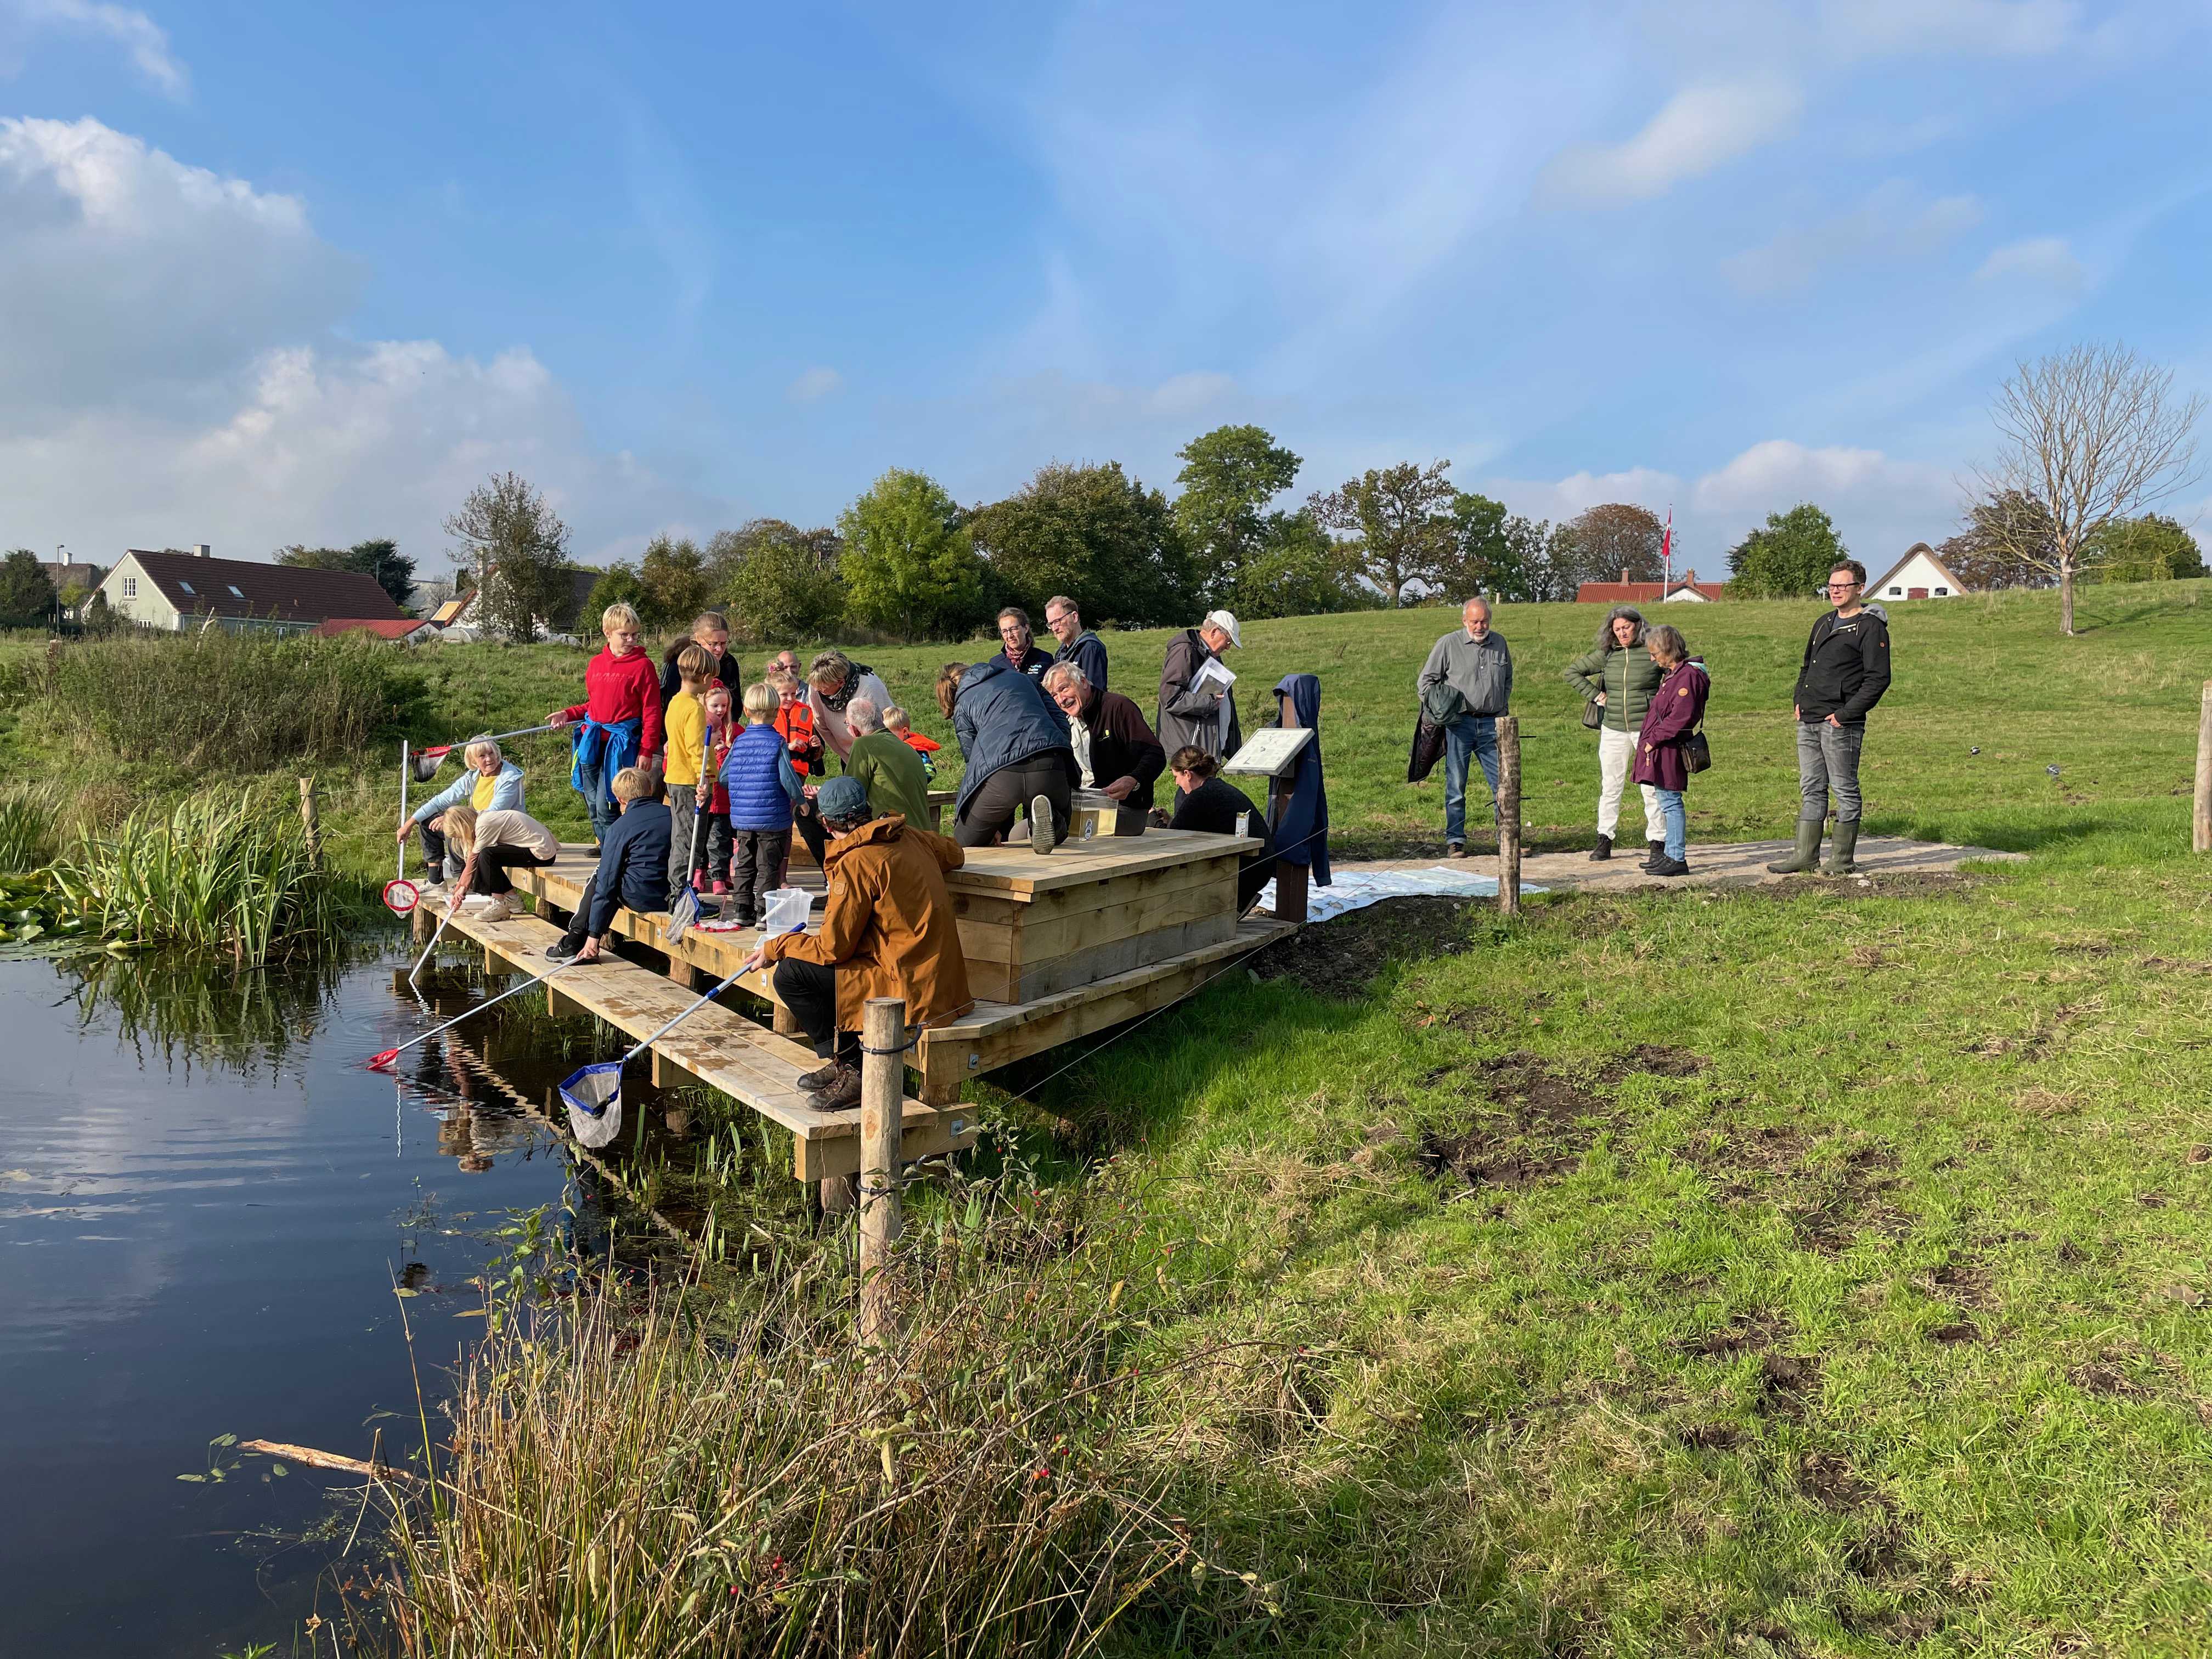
<point x="621" y="716"/>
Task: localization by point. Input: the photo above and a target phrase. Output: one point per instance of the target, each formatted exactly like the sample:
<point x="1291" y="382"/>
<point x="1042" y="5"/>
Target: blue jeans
<point x="1470" y="734"/>
<point x="602" y="810"/>
<point x="1678" y="828"/>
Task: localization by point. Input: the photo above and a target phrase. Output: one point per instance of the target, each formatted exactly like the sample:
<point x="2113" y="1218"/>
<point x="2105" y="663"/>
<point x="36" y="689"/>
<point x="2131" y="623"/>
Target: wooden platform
<point x="716" y="1047"/>
<point x="1058" y="945"/>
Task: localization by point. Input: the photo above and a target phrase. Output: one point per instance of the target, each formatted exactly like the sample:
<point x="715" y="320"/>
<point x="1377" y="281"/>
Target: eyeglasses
<point x="1844" y="588"/>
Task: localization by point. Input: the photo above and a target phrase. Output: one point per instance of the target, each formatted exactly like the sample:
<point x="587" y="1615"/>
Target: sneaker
<point x="430" y="890"/>
<point x="489" y="906"/>
<point x="1456" y="849"/>
<point x="1044" y="831"/>
<point x="1668" y="866"/>
<point x="1602" y="851"/>
<point x="745" y="920"/>
<point x="820" y="1077"/>
<point x="840" y="1094"/>
<point x="561" y="950"/>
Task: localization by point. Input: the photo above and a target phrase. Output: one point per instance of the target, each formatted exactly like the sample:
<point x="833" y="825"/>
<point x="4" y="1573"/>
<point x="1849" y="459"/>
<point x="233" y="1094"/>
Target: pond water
<point x="206" y="1204"/>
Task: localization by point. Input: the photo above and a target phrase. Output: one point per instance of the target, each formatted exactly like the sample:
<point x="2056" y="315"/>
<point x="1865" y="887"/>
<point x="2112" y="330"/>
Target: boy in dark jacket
<point x="633" y="872"/>
<point x="1844" y="672"/>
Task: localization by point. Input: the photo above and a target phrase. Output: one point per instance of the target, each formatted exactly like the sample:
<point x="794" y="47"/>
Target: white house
<point x="1918" y="575"/>
<point x="174" y="591"/>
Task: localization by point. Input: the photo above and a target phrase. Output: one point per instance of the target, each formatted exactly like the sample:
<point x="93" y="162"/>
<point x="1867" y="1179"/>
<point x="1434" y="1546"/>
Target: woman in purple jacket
<point x="1676" y="708"/>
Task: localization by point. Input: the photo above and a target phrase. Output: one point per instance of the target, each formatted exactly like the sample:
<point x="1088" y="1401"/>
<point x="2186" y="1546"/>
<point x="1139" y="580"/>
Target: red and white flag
<point x="1667" y="551"/>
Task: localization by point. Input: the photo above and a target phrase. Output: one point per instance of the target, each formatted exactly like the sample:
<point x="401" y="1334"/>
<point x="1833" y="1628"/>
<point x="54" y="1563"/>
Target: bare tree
<point x="1401" y="518"/>
<point x="2091" y="435"/>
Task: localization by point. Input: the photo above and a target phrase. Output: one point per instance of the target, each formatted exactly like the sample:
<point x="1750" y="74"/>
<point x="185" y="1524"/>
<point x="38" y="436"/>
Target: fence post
<point x="2200" y="837"/>
<point x="1508" y="816"/>
<point x="313" y="825"/>
<point x="883" y="1105"/>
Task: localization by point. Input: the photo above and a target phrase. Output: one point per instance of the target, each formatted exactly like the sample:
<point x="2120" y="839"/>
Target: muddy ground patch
<point x="1528" y="1120"/>
<point x="1337" y="958"/>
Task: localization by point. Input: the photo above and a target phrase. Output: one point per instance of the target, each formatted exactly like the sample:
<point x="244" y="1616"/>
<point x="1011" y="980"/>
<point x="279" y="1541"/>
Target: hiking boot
<point x="1602" y="851"/>
<point x="839" y="1092"/>
<point x="1808" y="849"/>
<point x="1840" y="850"/>
<point x="821" y="1077"/>
<point x="1044" y="832"/>
<point x="1456" y="849"/>
<point x="1668" y="866"/>
<point x="1655" y="853"/>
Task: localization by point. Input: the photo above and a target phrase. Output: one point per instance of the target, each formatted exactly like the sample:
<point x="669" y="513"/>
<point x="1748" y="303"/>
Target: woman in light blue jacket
<point x="489" y="782"/>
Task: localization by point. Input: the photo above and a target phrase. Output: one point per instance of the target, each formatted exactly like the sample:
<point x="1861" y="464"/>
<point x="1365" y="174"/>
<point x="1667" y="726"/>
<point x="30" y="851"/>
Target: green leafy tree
<point x="1229" y="476"/>
<point x="2151" y="549"/>
<point x="1400" y="524"/>
<point x="909" y="564"/>
<point x="620" y="586"/>
<point x="674" y="583"/>
<point x="1789" y="558"/>
<point x="26" y="591"/>
<point x="518" y="548"/>
<point x="1601" y="544"/>
<point x="100" y="616"/>
<point x="1097" y="535"/>
<point x="1296" y="568"/>
<point x="779" y="587"/>
<point x="1498" y="553"/>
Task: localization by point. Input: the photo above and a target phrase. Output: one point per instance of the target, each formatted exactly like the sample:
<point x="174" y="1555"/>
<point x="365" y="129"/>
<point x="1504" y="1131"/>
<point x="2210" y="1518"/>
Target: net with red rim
<point x="401" y="895"/>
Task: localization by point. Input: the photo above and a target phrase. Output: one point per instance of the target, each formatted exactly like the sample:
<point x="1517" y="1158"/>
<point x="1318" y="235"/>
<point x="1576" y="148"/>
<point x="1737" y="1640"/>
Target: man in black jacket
<point x="1115" y="750"/>
<point x="1844" y="672"/>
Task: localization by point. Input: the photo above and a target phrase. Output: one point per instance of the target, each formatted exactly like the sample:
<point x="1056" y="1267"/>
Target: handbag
<point x="1593" y="713"/>
<point x="1697" y="753"/>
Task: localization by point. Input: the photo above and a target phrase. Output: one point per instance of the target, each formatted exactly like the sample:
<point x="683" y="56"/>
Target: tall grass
<point x="228" y="873"/>
<point x="241" y="702"/>
<point x="29" y="815"/>
<point x="626" y="1479"/>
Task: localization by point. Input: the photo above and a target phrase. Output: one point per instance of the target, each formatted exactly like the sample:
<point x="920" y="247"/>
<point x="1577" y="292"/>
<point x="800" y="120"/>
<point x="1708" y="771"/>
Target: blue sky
<point x="285" y="274"/>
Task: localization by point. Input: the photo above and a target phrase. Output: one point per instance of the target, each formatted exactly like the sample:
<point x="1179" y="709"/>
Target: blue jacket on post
<point x="1302" y="835"/>
<point x="759" y="776"/>
<point x="633" y="869"/>
<point x="1002" y="718"/>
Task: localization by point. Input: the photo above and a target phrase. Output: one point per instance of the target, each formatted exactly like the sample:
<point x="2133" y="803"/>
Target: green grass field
<point x="1824" y="1270"/>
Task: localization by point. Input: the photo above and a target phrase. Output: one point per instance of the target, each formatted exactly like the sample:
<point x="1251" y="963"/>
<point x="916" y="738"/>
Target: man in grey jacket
<point x="1201" y="715"/>
<point x="1473" y="661"/>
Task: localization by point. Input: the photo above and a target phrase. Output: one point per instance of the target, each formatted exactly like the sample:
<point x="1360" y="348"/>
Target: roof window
<point x="188" y="586"/>
<point x="234" y="593"/>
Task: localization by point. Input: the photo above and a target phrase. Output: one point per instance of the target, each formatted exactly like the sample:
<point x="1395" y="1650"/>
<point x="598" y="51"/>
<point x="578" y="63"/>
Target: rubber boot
<point x="1808" y="855"/>
<point x="1841" y="850"/>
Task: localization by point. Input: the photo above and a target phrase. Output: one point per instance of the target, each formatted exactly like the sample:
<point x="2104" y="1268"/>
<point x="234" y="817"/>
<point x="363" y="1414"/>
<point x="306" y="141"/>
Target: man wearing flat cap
<point x="888" y="931"/>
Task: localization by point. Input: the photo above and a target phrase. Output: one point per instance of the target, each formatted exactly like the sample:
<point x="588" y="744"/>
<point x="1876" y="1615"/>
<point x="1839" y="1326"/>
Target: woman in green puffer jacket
<point x="1619" y="675"/>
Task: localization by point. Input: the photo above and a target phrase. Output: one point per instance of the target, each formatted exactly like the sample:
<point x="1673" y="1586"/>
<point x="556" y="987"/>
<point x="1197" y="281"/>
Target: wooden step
<point x="714" y="1046"/>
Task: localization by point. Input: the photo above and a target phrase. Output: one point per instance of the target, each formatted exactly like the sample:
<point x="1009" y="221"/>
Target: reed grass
<point x="220" y="872"/>
<point x="29" y="838"/>
<point x="627" y="1477"/>
<point x="244" y="703"/>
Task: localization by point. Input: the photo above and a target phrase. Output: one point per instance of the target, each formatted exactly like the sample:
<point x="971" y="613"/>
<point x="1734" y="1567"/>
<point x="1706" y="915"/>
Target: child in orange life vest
<point x="895" y="722"/>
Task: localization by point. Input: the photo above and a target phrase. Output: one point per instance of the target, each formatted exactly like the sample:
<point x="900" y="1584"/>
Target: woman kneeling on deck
<point x="491" y="844"/>
<point x="889" y="932"/>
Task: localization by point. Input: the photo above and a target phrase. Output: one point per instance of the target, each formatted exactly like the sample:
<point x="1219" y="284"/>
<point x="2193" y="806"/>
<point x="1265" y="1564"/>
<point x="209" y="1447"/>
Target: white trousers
<point x="1616" y="753"/>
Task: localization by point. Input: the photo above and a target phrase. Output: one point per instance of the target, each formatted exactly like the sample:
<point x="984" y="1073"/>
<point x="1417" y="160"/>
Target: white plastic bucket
<point x="786" y="911"/>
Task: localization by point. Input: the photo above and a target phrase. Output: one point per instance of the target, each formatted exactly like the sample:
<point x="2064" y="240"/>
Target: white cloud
<point x="1894" y="224"/>
<point x="1578" y="492"/>
<point x="1697" y="129"/>
<point x="143" y="41"/>
<point x="814" y="385"/>
<point x="2037" y="259"/>
<point x="170" y="373"/>
<point x="1777" y="474"/>
<point x="1869" y="28"/>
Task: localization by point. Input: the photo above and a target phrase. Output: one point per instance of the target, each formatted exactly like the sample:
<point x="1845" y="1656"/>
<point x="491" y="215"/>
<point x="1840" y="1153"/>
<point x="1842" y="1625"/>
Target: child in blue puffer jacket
<point x="762" y="789"/>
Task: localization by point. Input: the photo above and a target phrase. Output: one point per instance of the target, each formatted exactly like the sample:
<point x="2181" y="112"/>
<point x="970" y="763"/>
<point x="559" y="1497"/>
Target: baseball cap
<point x="1226" y="623"/>
<point x="841" y="798"/>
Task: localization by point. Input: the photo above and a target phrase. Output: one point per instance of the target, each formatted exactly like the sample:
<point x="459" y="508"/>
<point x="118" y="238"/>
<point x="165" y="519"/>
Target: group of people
<point x="1646" y="695"/>
<point x="694" y="779"/>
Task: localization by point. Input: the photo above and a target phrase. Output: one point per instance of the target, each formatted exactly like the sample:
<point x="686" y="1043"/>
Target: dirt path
<point x="1725" y="864"/>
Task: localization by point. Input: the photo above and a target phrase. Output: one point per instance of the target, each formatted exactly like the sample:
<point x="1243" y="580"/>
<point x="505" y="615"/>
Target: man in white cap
<point x="1198" y="698"/>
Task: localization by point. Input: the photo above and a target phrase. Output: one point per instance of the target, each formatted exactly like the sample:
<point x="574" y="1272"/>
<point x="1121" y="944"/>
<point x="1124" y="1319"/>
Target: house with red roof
<point x="1688" y="590"/>
<point x="408" y="630"/>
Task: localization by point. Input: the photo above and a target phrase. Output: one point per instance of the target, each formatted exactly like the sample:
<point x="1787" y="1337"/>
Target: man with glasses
<point x="1078" y="644"/>
<point x="1844" y="672"/>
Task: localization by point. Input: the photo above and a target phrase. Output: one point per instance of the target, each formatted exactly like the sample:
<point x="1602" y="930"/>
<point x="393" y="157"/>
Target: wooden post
<point x="1508" y="816"/>
<point x="307" y="818"/>
<point x="883" y="1105"/>
<point x="2201" y="829"/>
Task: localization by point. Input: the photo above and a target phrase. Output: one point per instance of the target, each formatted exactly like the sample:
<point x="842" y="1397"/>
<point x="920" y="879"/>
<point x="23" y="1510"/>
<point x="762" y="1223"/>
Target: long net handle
<point x="402" y="804"/>
<point x="679" y="1018"/>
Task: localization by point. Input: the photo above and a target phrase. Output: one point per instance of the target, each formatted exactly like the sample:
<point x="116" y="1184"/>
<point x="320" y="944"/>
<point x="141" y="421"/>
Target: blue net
<point x="594" y="1097"/>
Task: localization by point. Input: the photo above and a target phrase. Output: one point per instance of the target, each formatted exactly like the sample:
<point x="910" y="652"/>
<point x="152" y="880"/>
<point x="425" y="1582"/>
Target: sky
<point x="308" y="274"/>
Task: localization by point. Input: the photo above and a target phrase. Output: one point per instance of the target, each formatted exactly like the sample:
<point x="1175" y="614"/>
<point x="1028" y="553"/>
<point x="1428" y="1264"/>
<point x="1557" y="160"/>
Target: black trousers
<point x="437" y="858"/>
<point x="580" y="926"/>
<point x="757" y="866"/>
<point x="810" y="991"/>
<point x="1005" y="795"/>
<point x="494" y="862"/>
